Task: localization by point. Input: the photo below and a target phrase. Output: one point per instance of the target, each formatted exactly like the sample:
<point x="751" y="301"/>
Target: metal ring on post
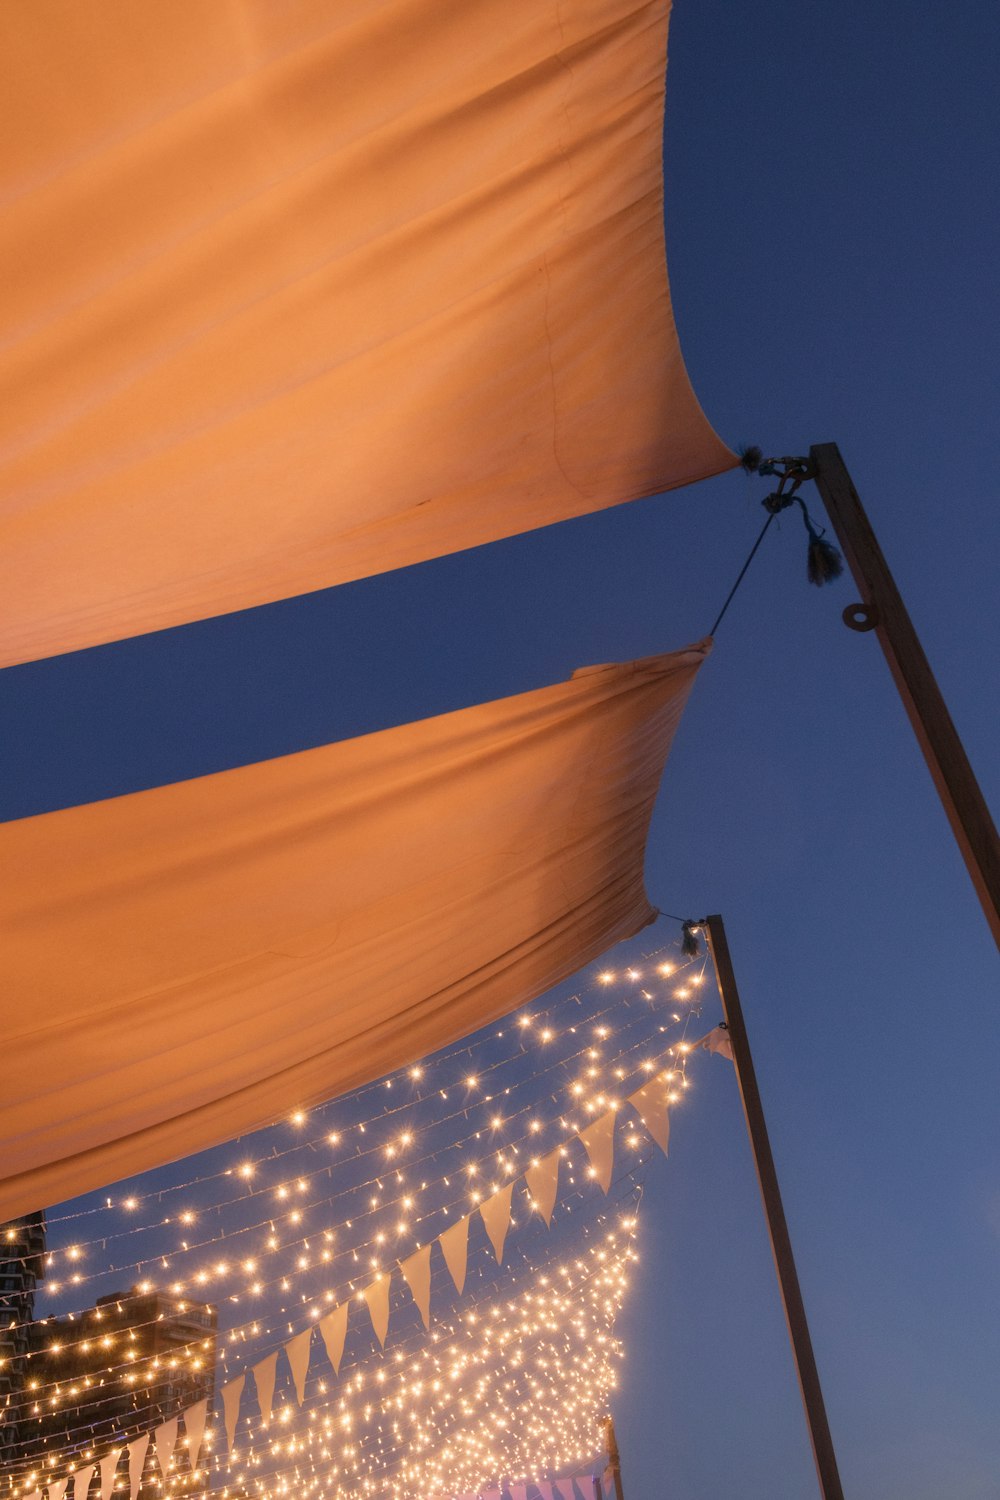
<point x="860" y="617"/>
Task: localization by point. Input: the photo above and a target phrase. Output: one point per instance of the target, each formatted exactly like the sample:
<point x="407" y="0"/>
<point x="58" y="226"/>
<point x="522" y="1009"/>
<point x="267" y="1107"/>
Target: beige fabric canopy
<point x="296" y="291"/>
<point x="190" y="962"/>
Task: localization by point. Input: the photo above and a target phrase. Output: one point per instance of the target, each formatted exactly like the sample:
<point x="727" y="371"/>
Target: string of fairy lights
<point x="513" y="1389"/>
<point x="507" y="1167"/>
<point x="297" y="1246"/>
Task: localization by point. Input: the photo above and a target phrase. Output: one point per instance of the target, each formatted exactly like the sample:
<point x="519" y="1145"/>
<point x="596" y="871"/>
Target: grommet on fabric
<point x="860" y="617"/>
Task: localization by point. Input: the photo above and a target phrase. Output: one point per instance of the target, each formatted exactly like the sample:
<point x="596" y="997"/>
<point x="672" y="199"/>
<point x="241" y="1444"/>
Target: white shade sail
<point x="188" y="963"/>
<point x="295" y="292"/>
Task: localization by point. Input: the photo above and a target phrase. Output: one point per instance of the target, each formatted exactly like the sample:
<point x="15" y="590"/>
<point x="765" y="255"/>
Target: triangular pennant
<point x="136" y="1464"/>
<point x="565" y="1486"/>
<point x="543" y="1183"/>
<point x="81" y="1481"/>
<point x="263" y="1374"/>
<point x="297" y="1350"/>
<point x="109" y="1468"/>
<point x="416" y="1268"/>
<point x="545" y="1489"/>
<point x="650" y="1104"/>
<point x="496" y="1216"/>
<point x="599" y="1139"/>
<point x="165" y="1438"/>
<point x="232" y="1394"/>
<point x="519" y="1492"/>
<point x="454" y="1244"/>
<point x="717" y="1040"/>
<point x="491" y="1494"/>
<point x="377" y="1297"/>
<point x="334" y="1330"/>
<point x="194" y="1430"/>
<point x="57" y="1488"/>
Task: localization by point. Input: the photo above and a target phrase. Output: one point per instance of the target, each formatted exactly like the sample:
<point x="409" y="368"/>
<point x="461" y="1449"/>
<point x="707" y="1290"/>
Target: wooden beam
<point x="936" y="734"/>
<point x="614" y="1458"/>
<point x="774" y="1213"/>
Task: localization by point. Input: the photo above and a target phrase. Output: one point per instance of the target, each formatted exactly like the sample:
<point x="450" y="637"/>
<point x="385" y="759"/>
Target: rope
<point x="730" y="596"/>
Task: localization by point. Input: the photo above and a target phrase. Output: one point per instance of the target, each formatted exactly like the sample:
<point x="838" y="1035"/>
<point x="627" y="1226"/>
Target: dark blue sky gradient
<point x="832" y="226"/>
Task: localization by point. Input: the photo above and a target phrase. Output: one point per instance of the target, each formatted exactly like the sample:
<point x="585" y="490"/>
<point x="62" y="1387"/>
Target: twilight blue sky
<point x="832" y="226"/>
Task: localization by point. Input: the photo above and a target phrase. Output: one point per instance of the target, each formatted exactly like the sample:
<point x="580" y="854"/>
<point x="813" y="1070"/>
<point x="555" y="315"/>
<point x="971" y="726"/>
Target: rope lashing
<point x="824" y="562"/>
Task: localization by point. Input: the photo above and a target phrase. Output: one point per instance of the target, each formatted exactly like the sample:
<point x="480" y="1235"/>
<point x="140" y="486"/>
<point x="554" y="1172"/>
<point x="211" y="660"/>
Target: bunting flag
<point x="599" y="1139"/>
<point x="377" y="1297"/>
<point x="195" y="1418"/>
<point x="431" y="311"/>
<point x="137" y="1461"/>
<point x="650" y="1101"/>
<point x="81" y="1481"/>
<point x="651" y="1105"/>
<point x="564" y="1487"/>
<point x="297" y="1352"/>
<point x="454" y="1243"/>
<point x="232" y="1394"/>
<point x="717" y="1040"/>
<point x="333" y="1327"/>
<point x="165" y="1440"/>
<point x="495" y="1211"/>
<point x="109" y="1469"/>
<point x="416" y="1269"/>
<point x="543" y="1182"/>
<point x="263" y="1374"/>
<point x="104" y="911"/>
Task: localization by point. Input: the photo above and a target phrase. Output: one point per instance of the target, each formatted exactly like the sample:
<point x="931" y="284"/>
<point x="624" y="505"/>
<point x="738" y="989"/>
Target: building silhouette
<point x="22" y="1266"/>
<point x="104" y="1376"/>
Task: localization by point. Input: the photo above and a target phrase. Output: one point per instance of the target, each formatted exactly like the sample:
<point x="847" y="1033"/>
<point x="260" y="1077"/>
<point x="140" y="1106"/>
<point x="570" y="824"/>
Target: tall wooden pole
<point x="614" y="1458"/>
<point x="781" y="1245"/>
<point x="883" y="611"/>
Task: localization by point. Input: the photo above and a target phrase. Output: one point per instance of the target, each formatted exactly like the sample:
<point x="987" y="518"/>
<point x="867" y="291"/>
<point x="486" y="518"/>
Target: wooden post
<point x="614" y="1458"/>
<point x="781" y="1245"/>
<point x="883" y="610"/>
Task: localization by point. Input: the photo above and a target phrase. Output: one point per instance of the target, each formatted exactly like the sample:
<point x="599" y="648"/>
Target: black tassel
<point x="825" y="562"/>
<point x="750" y="457"/>
<point x="690" y="947"/>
